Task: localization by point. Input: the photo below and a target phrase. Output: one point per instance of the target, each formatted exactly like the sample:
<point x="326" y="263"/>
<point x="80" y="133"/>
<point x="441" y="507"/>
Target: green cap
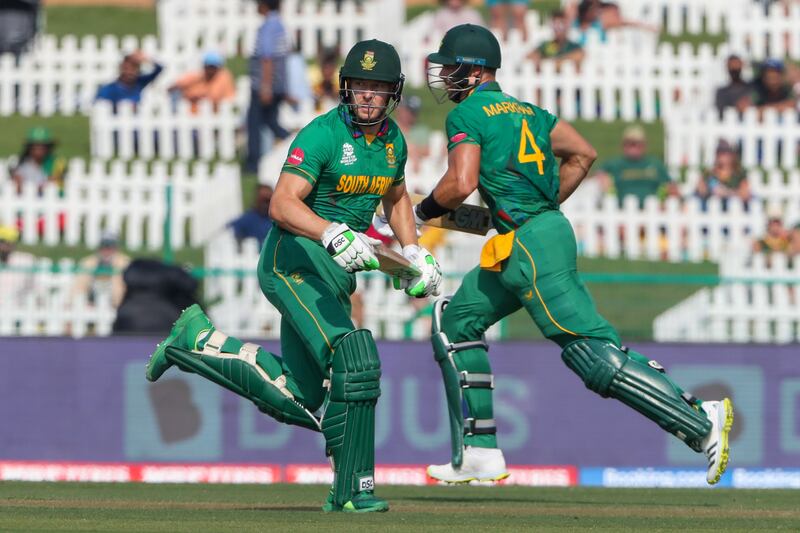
<point x="39" y="135"/>
<point x="372" y="60"/>
<point x="470" y="44"/>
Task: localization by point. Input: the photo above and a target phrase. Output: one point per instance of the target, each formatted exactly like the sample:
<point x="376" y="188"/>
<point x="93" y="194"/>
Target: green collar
<point x="488" y="86"/>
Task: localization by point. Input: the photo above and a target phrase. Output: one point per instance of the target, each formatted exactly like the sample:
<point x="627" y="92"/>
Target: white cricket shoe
<point x="479" y="464"/>
<point x="715" y="445"/>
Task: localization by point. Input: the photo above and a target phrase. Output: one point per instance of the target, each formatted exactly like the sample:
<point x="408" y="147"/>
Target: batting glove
<point x="351" y="250"/>
<point x="430" y="278"/>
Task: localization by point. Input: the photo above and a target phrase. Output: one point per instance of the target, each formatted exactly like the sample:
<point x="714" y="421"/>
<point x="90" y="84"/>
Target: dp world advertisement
<point x="82" y="410"/>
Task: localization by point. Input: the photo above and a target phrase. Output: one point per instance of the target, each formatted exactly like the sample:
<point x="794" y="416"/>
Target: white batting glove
<point x="428" y="282"/>
<point x="351" y="250"/>
<point x="381" y="225"/>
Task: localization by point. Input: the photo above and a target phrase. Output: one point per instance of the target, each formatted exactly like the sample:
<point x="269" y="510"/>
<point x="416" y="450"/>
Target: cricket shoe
<point x="479" y="464"/>
<point x="363" y="502"/>
<point x="191" y="327"/>
<point x="715" y="445"/>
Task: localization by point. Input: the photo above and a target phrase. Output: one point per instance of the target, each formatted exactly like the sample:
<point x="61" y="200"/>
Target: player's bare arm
<point x="461" y="178"/>
<point x="288" y="210"/>
<point x="577" y="157"/>
<point x="399" y="212"/>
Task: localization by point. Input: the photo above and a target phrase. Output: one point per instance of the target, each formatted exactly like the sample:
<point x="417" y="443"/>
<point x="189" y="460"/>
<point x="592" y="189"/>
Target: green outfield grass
<point x="26" y="507"/>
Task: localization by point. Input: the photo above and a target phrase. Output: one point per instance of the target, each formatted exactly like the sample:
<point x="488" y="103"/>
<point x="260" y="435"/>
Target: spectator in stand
<point x="771" y="89"/>
<point x="255" y="222"/>
<point x="418" y="135"/>
<point x="38" y="163"/>
<point x="101" y="273"/>
<point x="591" y="20"/>
<point x="726" y="179"/>
<point x="587" y="23"/>
<point x="131" y="82"/>
<point x="503" y="10"/>
<point x="16" y="268"/>
<point x="559" y="49"/>
<point x="268" y="80"/>
<point x="636" y="173"/>
<point x="777" y="237"/>
<point x="737" y="89"/>
<point x="324" y="78"/>
<point x="452" y="13"/>
<point x="214" y="83"/>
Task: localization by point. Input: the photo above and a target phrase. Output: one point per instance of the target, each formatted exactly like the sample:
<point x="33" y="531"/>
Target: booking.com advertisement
<point x="82" y="410"/>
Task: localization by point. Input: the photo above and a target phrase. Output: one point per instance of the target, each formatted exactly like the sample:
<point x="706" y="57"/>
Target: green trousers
<point x="540" y="275"/>
<point x="312" y="293"/>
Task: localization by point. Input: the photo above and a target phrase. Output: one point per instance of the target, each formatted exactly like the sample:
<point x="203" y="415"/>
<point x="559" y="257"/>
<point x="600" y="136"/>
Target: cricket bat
<point x="394" y="264"/>
<point x="467" y="218"/>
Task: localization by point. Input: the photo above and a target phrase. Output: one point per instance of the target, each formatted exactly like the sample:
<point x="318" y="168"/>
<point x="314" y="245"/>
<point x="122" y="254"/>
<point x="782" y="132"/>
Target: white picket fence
<point x="230" y="26"/>
<point x="50" y="308"/>
<point x="131" y="201"/>
<point x="758" y="301"/>
<point x="157" y="129"/>
<point x="771" y="141"/>
<point x="759" y="35"/>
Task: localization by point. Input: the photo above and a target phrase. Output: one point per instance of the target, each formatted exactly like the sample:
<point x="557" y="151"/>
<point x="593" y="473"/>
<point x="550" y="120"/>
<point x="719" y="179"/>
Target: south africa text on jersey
<point x="506" y="107"/>
<point x="364" y="184"/>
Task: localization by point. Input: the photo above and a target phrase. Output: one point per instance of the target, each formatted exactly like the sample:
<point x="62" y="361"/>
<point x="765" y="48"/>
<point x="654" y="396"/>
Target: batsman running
<point x="339" y="168"/>
<point x="507" y="149"/>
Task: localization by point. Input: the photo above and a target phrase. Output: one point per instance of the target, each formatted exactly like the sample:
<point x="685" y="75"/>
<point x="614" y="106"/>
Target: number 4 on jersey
<point x="526" y="138"/>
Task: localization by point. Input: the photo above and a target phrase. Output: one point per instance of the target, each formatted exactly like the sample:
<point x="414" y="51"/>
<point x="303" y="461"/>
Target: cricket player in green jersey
<point x="507" y="149"/>
<point x="338" y="168"/>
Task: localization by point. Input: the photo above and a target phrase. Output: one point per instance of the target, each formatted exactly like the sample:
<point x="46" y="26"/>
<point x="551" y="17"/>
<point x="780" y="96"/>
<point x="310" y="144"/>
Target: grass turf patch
<point x="100" y="20"/>
<point x="243" y="508"/>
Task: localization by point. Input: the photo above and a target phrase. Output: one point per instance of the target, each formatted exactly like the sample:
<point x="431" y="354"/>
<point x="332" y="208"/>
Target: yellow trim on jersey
<point x="291" y="170"/>
<point x="369" y="137"/>
<point x="535" y="288"/>
<point x="275" y="269"/>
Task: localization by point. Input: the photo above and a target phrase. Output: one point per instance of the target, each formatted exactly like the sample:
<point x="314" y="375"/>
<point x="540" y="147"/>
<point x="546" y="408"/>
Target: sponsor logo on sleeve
<point x="296" y="157"/>
<point x="458" y="137"/>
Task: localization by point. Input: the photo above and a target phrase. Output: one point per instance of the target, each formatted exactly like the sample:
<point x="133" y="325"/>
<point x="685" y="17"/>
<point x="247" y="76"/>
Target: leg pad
<point x="608" y="371"/>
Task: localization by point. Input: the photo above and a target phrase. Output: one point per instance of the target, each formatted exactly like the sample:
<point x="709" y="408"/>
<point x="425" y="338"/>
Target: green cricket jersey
<point x="638" y="177"/>
<point x="349" y="175"/>
<point x="519" y="173"/>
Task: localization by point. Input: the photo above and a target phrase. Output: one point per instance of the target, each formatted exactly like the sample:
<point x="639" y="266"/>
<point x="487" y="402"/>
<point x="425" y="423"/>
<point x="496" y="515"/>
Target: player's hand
<point x="351" y="250"/>
<point x="428" y="282"/>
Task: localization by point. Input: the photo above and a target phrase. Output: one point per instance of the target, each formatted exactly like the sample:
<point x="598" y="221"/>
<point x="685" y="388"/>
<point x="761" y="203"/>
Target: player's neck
<point x="372" y="129"/>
